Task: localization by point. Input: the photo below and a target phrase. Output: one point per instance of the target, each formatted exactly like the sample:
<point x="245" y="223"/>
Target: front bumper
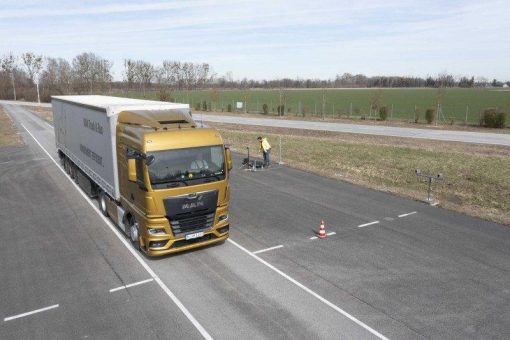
<point x="181" y="244"/>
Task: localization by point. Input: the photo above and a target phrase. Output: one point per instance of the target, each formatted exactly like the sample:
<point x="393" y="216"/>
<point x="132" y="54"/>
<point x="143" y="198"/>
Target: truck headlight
<point x="223" y="218"/>
<point x="156" y="231"/>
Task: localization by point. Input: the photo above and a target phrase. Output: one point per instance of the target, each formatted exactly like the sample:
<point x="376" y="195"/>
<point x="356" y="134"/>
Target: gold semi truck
<point x="160" y="178"/>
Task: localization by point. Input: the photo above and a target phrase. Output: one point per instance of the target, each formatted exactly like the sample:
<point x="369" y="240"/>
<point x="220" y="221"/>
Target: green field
<point x="401" y="103"/>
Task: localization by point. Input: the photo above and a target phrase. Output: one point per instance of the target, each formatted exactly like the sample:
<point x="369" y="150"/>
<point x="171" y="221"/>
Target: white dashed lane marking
<point x="404" y="215"/>
<point x="30" y="313"/>
<point x="268" y="249"/>
<point x="131" y="285"/>
<point x="367" y="224"/>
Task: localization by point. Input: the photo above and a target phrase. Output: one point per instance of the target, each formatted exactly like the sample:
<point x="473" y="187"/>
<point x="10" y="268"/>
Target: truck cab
<point x="173" y="182"/>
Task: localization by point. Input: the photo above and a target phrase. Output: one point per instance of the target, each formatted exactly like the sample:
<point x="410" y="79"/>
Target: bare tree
<point x="174" y="74"/>
<point x="83" y="72"/>
<point x="144" y="74"/>
<point x="33" y="64"/>
<point x="104" y="76"/>
<point x="56" y="78"/>
<point x="8" y="64"/>
<point x="91" y="72"/>
<point x="129" y="73"/>
<point x="49" y="77"/>
<point x="190" y="75"/>
<point x="203" y="74"/>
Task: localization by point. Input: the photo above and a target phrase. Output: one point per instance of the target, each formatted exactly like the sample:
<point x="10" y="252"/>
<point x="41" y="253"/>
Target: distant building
<point x="505" y="85"/>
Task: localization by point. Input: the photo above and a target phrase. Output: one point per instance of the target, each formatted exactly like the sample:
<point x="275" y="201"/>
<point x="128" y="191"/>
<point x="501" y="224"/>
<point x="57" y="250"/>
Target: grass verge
<point x="477" y="182"/>
<point x="8" y="133"/>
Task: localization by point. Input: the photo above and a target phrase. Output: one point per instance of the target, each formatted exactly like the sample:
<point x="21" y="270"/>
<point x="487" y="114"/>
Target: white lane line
<point x="134" y="252"/>
<point x="268" y="249"/>
<point x="313" y="238"/>
<point x="404" y="215"/>
<point x="30" y="313"/>
<point x="367" y="224"/>
<point x="51" y="126"/>
<point x="130" y="285"/>
<point x="311" y="292"/>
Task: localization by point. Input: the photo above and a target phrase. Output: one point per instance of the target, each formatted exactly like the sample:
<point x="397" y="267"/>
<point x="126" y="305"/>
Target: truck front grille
<point x="185" y="225"/>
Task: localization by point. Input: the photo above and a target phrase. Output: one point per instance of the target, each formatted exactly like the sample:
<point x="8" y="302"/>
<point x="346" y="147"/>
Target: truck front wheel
<point x="134" y="234"/>
<point x="102" y="203"/>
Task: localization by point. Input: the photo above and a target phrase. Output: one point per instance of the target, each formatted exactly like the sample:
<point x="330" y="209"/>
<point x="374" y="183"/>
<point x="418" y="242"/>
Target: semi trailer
<point x="162" y="180"/>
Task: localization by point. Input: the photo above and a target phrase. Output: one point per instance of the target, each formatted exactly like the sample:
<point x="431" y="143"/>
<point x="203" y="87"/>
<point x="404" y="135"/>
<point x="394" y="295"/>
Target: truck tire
<point x="72" y="171"/>
<point x="134" y="233"/>
<point x="102" y="203"/>
<point x="76" y="177"/>
<point x="68" y="166"/>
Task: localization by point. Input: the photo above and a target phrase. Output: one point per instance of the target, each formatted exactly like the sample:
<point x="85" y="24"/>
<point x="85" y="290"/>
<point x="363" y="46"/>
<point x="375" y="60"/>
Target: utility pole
<point x="37" y="87"/>
<point x="323" y="103"/>
<point x="13" y="86"/>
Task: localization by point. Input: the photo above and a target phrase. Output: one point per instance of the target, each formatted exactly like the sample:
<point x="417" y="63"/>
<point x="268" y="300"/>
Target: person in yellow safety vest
<point x="265" y="148"/>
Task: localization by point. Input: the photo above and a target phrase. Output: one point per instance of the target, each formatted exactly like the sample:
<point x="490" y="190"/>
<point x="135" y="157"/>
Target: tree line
<point x="30" y="76"/>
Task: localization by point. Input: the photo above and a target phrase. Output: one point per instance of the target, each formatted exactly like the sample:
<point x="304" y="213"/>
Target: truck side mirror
<point x="229" y="158"/>
<point x="132" y="169"/>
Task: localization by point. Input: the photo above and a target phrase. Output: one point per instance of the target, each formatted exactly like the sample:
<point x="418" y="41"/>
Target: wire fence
<point x="448" y="106"/>
<point x="446" y="114"/>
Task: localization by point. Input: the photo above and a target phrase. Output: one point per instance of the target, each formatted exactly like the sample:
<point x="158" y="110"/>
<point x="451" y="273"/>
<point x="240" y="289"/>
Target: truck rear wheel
<point x="72" y="171"/>
<point x="102" y="203"/>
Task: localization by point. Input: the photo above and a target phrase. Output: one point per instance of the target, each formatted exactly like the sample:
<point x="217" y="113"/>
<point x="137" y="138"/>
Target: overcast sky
<point x="269" y="38"/>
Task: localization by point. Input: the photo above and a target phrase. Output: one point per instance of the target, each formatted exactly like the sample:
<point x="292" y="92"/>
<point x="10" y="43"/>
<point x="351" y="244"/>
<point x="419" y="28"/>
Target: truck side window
<point x="139" y="170"/>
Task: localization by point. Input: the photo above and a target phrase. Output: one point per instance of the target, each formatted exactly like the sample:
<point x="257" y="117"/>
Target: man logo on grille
<point x="193" y="205"/>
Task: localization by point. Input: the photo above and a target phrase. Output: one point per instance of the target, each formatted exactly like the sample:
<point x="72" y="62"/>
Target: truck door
<point x="132" y="191"/>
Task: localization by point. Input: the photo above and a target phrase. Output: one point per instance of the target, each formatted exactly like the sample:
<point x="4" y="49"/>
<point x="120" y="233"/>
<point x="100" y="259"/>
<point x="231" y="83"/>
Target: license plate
<point x="194" y="235"/>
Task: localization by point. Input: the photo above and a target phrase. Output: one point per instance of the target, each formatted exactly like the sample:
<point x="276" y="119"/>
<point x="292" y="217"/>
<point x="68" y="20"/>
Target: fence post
<point x="391" y="114"/>
<point x="315" y="109"/>
<point x="350" y="111"/>
<point x="437" y="114"/>
<point x="467" y="112"/>
<point x="280" y="143"/>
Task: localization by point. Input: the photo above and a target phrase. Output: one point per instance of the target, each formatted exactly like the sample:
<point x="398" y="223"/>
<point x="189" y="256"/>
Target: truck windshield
<point x="172" y="168"/>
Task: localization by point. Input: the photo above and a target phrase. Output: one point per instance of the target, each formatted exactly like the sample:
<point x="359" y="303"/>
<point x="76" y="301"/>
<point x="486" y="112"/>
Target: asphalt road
<point x="429" y="273"/>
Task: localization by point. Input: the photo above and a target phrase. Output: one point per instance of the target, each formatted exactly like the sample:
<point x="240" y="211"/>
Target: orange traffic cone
<point x="322" y="230"/>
